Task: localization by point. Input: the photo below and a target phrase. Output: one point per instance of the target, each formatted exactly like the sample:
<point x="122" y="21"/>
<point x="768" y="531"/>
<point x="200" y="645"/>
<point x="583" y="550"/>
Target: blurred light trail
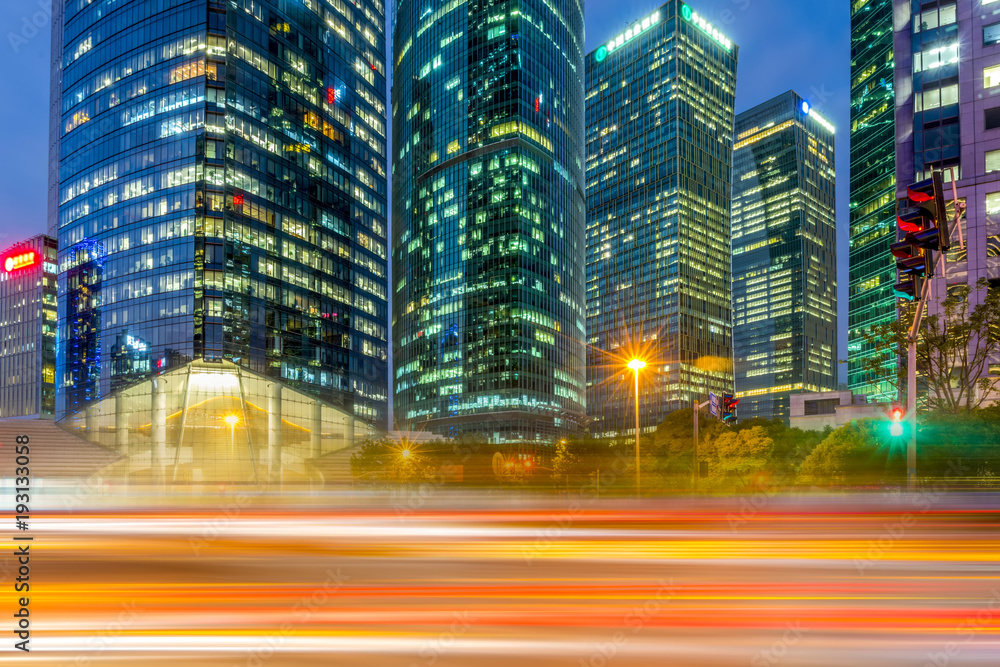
<point x="805" y="581"/>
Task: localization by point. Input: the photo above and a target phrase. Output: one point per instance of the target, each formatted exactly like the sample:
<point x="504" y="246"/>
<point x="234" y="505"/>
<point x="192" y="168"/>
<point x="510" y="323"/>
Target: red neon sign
<point x="20" y="261"/>
<point x="331" y="95"/>
<point x="238" y="200"/>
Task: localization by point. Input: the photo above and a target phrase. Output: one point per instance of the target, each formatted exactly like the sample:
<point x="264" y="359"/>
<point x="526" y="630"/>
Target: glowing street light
<point x="405" y="453"/>
<point x="232" y="420"/>
<point x="636" y="365"/>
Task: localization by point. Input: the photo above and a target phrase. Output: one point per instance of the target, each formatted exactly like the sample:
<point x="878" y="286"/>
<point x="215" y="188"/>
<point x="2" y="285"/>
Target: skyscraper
<point x="784" y="256"/>
<point x="660" y="98"/>
<point x="28" y="328"/>
<point x="873" y="185"/>
<point x="222" y="197"/>
<point x="488" y="218"/>
<point x="948" y="120"/>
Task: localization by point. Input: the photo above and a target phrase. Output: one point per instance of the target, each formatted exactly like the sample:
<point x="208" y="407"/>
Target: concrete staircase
<point x="54" y="453"/>
<point x="335" y="467"/>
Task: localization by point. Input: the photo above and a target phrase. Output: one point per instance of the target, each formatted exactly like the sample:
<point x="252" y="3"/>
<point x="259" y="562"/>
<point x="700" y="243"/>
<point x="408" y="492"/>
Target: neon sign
<point x="807" y="110"/>
<point x="692" y="16"/>
<point x="20" y="261"/>
<point x="637" y="28"/>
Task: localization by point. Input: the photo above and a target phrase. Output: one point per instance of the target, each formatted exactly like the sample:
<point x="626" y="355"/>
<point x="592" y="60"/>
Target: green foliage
<point x="736" y="455"/>
<point x="953" y="352"/>
<point x="382" y="460"/>
<point x="857" y="453"/>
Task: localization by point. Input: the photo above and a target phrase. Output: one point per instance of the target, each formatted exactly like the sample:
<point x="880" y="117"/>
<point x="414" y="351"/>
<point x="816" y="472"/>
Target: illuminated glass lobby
<point x="784" y="256"/>
<point x="660" y="99"/>
<point x="222" y="199"/>
<point x="488" y="213"/>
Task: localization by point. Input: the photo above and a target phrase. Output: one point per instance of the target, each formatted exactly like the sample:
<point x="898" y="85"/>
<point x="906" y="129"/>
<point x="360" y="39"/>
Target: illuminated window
<point x="188" y="70"/>
<point x="935" y="98"/>
<point x="991" y="76"/>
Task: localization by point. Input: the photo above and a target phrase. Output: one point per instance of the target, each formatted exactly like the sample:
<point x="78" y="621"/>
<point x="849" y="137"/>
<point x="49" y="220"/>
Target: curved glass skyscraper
<point x="222" y="196"/>
<point x="489" y="218"/>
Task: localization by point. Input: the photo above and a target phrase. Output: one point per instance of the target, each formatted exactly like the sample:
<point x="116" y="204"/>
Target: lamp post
<point x="232" y="420"/>
<point x="637" y="365"/>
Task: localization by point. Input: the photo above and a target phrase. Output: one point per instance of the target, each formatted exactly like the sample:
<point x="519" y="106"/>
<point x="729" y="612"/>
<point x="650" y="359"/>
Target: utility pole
<point x="694" y="469"/>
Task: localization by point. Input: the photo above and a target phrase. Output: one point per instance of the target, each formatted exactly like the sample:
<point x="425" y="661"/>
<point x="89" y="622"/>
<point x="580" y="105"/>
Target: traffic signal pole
<point x="937" y="258"/>
<point x="696" y="470"/>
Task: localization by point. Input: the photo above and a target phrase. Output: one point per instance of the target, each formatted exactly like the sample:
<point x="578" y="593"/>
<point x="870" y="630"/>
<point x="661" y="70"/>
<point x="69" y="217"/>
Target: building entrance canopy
<point x="215" y="423"/>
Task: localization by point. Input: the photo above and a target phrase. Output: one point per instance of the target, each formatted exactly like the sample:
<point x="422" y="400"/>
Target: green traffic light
<point x="895" y="429"/>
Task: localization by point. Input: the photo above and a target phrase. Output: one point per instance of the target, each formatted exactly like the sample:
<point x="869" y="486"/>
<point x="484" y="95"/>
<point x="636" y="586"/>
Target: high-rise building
<point x="28" y="329"/>
<point x="948" y="120"/>
<point x="55" y="115"/>
<point x="489" y="218"/>
<point x="222" y="198"/>
<point x="784" y="256"/>
<point x="873" y="187"/>
<point x="660" y="96"/>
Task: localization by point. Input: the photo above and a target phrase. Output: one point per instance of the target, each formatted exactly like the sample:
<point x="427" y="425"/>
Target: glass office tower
<point x="222" y="196"/>
<point x="28" y="328"/>
<point x="660" y="101"/>
<point x="784" y="256"/>
<point x="222" y="168"/>
<point x="488" y="218"/>
<point x="948" y="120"/>
<point x="873" y="185"/>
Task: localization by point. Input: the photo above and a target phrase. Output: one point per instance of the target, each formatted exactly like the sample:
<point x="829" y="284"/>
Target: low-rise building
<point x="815" y="412"/>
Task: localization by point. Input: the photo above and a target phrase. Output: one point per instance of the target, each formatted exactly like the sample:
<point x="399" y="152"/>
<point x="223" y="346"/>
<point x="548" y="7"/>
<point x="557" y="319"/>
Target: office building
<point x="660" y="95"/>
<point x="488" y="219"/>
<point x="873" y="188"/>
<point x="28" y="329"/>
<point x="784" y="256"/>
<point x="948" y="120"/>
<point x="222" y="215"/>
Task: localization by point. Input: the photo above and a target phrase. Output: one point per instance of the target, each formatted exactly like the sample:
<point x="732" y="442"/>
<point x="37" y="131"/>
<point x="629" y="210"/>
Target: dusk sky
<point x="804" y="46"/>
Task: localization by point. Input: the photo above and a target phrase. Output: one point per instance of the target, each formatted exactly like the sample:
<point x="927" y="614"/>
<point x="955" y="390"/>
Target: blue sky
<point x="804" y="46"/>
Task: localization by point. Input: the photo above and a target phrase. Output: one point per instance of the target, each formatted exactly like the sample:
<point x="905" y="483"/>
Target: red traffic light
<point x="897" y="414"/>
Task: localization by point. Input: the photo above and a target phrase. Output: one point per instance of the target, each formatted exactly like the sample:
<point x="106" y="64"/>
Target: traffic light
<point x="921" y="217"/>
<point x="896" y="416"/>
<point x="729" y="404"/>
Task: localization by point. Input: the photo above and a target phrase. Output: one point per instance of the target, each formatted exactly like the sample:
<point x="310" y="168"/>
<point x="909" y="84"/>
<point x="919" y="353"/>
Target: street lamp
<point x="232" y="420"/>
<point x="637" y="365"/>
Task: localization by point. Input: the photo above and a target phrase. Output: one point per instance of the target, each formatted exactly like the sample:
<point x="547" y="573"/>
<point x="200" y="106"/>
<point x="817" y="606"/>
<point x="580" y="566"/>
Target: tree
<point x="736" y="455"/>
<point x="382" y="459"/>
<point x="853" y="454"/>
<point x="954" y="349"/>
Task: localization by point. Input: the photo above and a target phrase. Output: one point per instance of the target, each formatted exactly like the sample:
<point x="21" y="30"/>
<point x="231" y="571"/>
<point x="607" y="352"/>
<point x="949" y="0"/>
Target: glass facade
<point x="660" y="102"/>
<point x="873" y="185"/>
<point x="784" y="256"/>
<point x="948" y="58"/>
<point x="28" y="328"/>
<point x="218" y="423"/>
<point x="222" y="195"/>
<point x="488" y="218"/>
